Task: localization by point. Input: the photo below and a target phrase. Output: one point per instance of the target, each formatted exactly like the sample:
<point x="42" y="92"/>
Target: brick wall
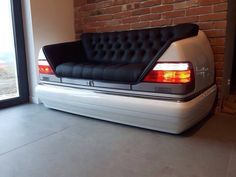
<point x="115" y="15"/>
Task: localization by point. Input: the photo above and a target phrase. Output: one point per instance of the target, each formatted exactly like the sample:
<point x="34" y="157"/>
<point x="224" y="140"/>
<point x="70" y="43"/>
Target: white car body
<point x="170" y="113"/>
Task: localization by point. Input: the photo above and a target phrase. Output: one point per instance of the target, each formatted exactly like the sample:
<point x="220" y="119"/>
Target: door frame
<point x="21" y="65"/>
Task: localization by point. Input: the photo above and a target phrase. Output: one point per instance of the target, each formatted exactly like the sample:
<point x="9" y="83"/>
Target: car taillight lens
<point x="44" y="67"/>
<point x="176" y="73"/>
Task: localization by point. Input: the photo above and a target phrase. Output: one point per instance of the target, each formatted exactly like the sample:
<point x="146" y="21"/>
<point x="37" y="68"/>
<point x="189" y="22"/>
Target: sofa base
<point x="160" y="115"/>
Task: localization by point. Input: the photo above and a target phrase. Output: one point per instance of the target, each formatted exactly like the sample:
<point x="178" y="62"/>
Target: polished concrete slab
<point x="39" y="142"/>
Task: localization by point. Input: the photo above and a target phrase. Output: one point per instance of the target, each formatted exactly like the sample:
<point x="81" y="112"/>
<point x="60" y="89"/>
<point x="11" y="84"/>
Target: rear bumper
<point x="161" y="115"/>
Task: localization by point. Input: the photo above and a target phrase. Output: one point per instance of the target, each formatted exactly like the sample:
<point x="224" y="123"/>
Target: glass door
<point x="13" y="75"/>
<point x="8" y="71"/>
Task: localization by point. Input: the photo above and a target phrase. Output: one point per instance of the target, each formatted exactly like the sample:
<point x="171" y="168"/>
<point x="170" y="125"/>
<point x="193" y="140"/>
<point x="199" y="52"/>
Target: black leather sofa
<point x="120" y="57"/>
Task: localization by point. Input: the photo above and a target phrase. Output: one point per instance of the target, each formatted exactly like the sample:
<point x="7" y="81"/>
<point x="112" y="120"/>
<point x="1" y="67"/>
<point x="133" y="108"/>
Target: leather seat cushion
<point x="109" y="72"/>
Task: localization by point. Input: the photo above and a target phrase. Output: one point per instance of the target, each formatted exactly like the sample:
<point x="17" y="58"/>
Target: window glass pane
<point x="8" y="72"/>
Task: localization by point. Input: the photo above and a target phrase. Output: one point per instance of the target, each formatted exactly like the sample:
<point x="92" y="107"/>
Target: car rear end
<point x="177" y="93"/>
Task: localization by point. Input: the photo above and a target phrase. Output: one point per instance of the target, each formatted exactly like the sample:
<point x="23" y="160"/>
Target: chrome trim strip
<point x="49" y="78"/>
<point x="130" y="93"/>
<point x="75" y="81"/>
<point x="91" y="83"/>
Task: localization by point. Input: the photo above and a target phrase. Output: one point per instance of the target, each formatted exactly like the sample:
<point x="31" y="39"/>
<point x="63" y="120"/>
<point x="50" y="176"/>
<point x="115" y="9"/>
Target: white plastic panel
<point x="167" y="116"/>
<point x="196" y="50"/>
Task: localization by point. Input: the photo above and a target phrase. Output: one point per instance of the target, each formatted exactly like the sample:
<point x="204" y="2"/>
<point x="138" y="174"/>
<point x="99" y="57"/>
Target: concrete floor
<point x="39" y="142"/>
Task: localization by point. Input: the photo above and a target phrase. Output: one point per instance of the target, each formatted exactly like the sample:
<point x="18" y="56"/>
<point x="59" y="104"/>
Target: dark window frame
<point x="229" y="47"/>
<point x="21" y="65"/>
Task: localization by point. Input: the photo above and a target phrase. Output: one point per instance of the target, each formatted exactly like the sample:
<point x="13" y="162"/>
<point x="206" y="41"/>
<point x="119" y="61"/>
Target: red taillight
<point x="45" y="69"/>
<point x="176" y="73"/>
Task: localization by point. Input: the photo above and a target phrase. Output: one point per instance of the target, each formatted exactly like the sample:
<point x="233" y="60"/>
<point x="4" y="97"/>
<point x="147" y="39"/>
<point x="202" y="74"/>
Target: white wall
<point x="45" y="22"/>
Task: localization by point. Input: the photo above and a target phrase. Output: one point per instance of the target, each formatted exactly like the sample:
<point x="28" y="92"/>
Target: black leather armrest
<point x="57" y="54"/>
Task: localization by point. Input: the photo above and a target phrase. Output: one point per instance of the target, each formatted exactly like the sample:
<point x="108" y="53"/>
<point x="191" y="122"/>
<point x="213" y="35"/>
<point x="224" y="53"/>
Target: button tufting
<point x="118" y="45"/>
<point x="115" y="38"/>
<point x="111" y="53"/>
<point x="162" y="43"/>
<point x="147" y="37"/>
<point x="142" y="53"/>
<point x="138" y="46"/>
<point x="109" y="46"/>
<point x="154" y="52"/>
<point x="122" y="52"/>
<point x="170" y="34"/>
<point x="128" y="45"/>
<point x="95" y="52"/>
<point x="106" y="39"/>
<point x="101" y="46"/>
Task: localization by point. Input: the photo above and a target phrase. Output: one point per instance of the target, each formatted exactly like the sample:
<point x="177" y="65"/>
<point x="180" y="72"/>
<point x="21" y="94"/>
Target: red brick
<point x="112" y="10"/>
<point x="219" y="57"/>
<point x="94" y="1"/>
<point x="90" y="30"/>
<point x="140" y="25"/>
<point x="141" y="11"/>
<point x="219" y="73"/>
<point x="218" y="49"/>
<point x="199" y="10"/>
<point x="220" y="7"/>
<point x="113" y="28"/>
<point x="96" y="23"/>
<point x="217" y="41"/>
<point x="132" y="6"/>
<point x="119" y="2"/>
<point x="213" y="17"/>
<point x="79" y="2"/>
<point x="219" y="65"/>
<point x="159" y="9"/>
<point x="185" y="4"/>
<point x="191" y="19"/>
<point x="219" y="80"/>
<point x="212" y="25"/>
<point x="210" y="2"/>
<point x="131" y="20"/>
<point x="88" y="7"/>
<point x="215" y="33"/>
<point x="179" y="13"/>
<point x="171" y="1"/>
<point x="100" y="18"/>
<point x="150" y="17"/>
<point x="150" y="3"/>
<point x="220" y="24"/>
<point x="121" y="15"/>
<point x="81" y="14"/>
<point x="206" y="25"/>
<point x="159" y="23"/>
<point x="103" y="4"/>
<point x="122" y="27"/>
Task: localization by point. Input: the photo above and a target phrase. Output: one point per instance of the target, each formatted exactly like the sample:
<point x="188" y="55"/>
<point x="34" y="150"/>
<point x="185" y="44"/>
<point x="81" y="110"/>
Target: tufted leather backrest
<point x="137" y="46"/>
